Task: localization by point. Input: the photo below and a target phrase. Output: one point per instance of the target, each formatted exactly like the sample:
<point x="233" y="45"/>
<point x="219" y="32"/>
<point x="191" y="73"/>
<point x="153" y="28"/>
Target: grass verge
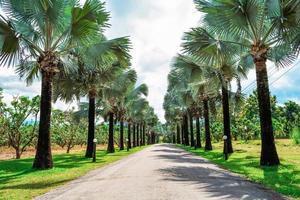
<point x="19" y="181"/>
<point x="284" y="179"/>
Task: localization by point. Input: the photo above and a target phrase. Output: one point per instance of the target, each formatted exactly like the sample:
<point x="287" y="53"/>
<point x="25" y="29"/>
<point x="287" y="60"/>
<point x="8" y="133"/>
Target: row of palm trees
<point x="62" y="42"/>
<point x="234" y="37"/>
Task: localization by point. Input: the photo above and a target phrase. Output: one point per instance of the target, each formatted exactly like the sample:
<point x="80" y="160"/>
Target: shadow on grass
<point x="36" y="185"/>
<point x="284" y="178"/>
<point x="12" y="169"/>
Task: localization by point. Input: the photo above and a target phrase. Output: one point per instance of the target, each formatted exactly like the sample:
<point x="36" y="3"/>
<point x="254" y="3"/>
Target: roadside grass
<point x="19" y="181"/>
<point x="284" y="179"/>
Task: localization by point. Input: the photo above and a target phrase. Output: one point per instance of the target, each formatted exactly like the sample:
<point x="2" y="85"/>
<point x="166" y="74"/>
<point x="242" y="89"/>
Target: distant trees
<point x="19" y="123"/>
<point x="68" y="129"/>
<point x="62" y="42"/>
<point x="234" y="34"/>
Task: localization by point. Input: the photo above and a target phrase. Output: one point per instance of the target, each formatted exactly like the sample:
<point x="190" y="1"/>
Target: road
<point x="161" y="172"/>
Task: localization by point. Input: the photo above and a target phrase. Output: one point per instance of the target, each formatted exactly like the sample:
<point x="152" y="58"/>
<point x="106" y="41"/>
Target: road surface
<point x="161" y="172"/>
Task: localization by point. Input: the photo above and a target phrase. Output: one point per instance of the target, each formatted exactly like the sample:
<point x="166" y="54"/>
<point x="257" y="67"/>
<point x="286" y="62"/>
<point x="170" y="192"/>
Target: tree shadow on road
<point x="217" y="182"/>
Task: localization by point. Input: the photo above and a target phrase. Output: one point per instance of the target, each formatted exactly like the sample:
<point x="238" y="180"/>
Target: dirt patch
<point x="7" y="153"/>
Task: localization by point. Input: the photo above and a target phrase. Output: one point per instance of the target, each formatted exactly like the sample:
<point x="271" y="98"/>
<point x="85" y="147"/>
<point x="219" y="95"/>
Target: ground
<point x="163" y="172"/>
<point x="245" y="160"/>
<point x="19" y="181"/>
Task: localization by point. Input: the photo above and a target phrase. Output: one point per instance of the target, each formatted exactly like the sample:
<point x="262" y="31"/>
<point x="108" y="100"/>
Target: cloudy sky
<point x="156" y="28"/>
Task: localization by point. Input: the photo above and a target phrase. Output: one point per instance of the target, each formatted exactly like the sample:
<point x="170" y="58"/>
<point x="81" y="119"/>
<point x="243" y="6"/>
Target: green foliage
<point x="284" y="178"/>
<point x="19" y="181"/>
<point x="295" y="135"/>
<point x="68" y="129"/>
<point x="19" y="123"/>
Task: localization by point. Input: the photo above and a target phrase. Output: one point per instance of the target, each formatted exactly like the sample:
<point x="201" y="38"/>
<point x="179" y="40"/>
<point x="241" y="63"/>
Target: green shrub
<point x="295" y="136"/>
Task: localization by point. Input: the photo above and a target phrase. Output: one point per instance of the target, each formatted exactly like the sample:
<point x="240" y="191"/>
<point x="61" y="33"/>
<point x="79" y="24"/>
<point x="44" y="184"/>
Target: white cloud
<point x="156" y="29"/>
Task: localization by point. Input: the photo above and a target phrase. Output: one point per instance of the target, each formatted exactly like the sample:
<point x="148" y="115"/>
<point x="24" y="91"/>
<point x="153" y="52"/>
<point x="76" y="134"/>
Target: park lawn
<point x="284" y="179"/>
<point x="19" y="181"/>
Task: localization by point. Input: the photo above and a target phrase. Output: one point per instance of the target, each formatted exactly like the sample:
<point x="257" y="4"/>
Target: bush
<point x="295" y="136"/>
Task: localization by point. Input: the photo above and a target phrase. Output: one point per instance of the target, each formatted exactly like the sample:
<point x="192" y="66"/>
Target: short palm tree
<point x="38" y="37"/>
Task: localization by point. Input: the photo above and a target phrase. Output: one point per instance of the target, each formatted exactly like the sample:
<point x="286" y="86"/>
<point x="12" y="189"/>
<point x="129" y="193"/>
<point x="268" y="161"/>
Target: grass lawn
<point x="245" y="160"/>
<point x="19" y="181"/>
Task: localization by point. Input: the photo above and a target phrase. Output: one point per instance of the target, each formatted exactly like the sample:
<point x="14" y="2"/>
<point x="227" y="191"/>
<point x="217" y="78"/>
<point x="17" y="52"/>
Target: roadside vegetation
<point x="284" y="178"/>
<point x="205" y="102"/>
<point x="19" y="181"/>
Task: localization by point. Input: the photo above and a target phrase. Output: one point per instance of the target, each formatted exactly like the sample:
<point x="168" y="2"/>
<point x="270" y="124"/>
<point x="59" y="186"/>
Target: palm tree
<point x="111" y="95"/>
<point x="264" y="29"/>
<point x="136" y="114"/>
<point x="202" y="86"/>
<point x="99" y="64"/>
<point x="173" y="113"/>
<point x="131" y="95"/>
<point x="225" y="63"/>
<point x="38" y="36"/>
<point x="151" y="120"/>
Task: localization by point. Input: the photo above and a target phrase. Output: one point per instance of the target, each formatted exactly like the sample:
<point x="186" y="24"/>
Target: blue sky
<point x="156" y="28"/>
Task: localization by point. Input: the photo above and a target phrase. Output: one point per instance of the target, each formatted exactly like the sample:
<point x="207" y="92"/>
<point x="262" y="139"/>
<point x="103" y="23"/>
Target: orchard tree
<point x="68" y="129"/>
<point x="19" y="121"/>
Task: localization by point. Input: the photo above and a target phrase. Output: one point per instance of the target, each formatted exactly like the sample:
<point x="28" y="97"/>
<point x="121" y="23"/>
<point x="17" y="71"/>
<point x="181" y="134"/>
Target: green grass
<point x="284" y="179"/>
<point x="19" y="181"/>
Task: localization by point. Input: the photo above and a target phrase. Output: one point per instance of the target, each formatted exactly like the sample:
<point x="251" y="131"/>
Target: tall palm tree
<point x="264" y="29"/>
<point x="99" y="63"/>
<point x="38" y="36"/>
<point x="132" y="95"/>
<point x="225" y="62"/>
<point x="202" y="85"/>
<point x="111" y="95"/>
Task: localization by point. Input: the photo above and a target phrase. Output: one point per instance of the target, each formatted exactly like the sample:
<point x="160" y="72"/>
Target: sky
<point x="155" y="28"/>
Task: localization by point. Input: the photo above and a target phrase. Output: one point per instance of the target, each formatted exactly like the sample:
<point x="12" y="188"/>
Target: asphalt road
<point x="161" y="172"/>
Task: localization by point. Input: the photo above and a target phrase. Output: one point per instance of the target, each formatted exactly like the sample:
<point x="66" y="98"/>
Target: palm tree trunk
<point x="186" y="130"/>
<point x="198" y="133"/>
<point x="43" y="156"/>
<point x="138" y="135"/>
<point x="192" y="129"/>
<point x="91" y="126"/>
<point x="226" y="117"/>
<point x="129" y="135"/>
<point x="208" y="145"/>
<point x="141" y="134"/>
<point x="110" y="147"/>
<point x="177" y="133"/>
<point x="121" y="135"/>
<point x="144" y="134"/>
<point x="133" y="138"/>
<point x="269" y="156"/>
<point x="148" y="138"/>
<point x="182" y="133"/>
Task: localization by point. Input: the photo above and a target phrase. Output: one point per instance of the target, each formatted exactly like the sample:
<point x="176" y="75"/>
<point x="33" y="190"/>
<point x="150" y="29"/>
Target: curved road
<point x="161" y="172"/>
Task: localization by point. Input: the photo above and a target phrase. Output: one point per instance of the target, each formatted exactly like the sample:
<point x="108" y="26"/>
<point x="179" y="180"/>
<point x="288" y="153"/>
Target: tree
<point x="200" y="84"/>
<point x="68" y="129"/>
<point x="99" y="64"/>
<point x="125" y="106"/>
<point x="264" y="29"/>
<point x="39" y="36"/>
<point x="111" y="95"/>
<point x="224" y="62"/>
<point x="20" y="122"/>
